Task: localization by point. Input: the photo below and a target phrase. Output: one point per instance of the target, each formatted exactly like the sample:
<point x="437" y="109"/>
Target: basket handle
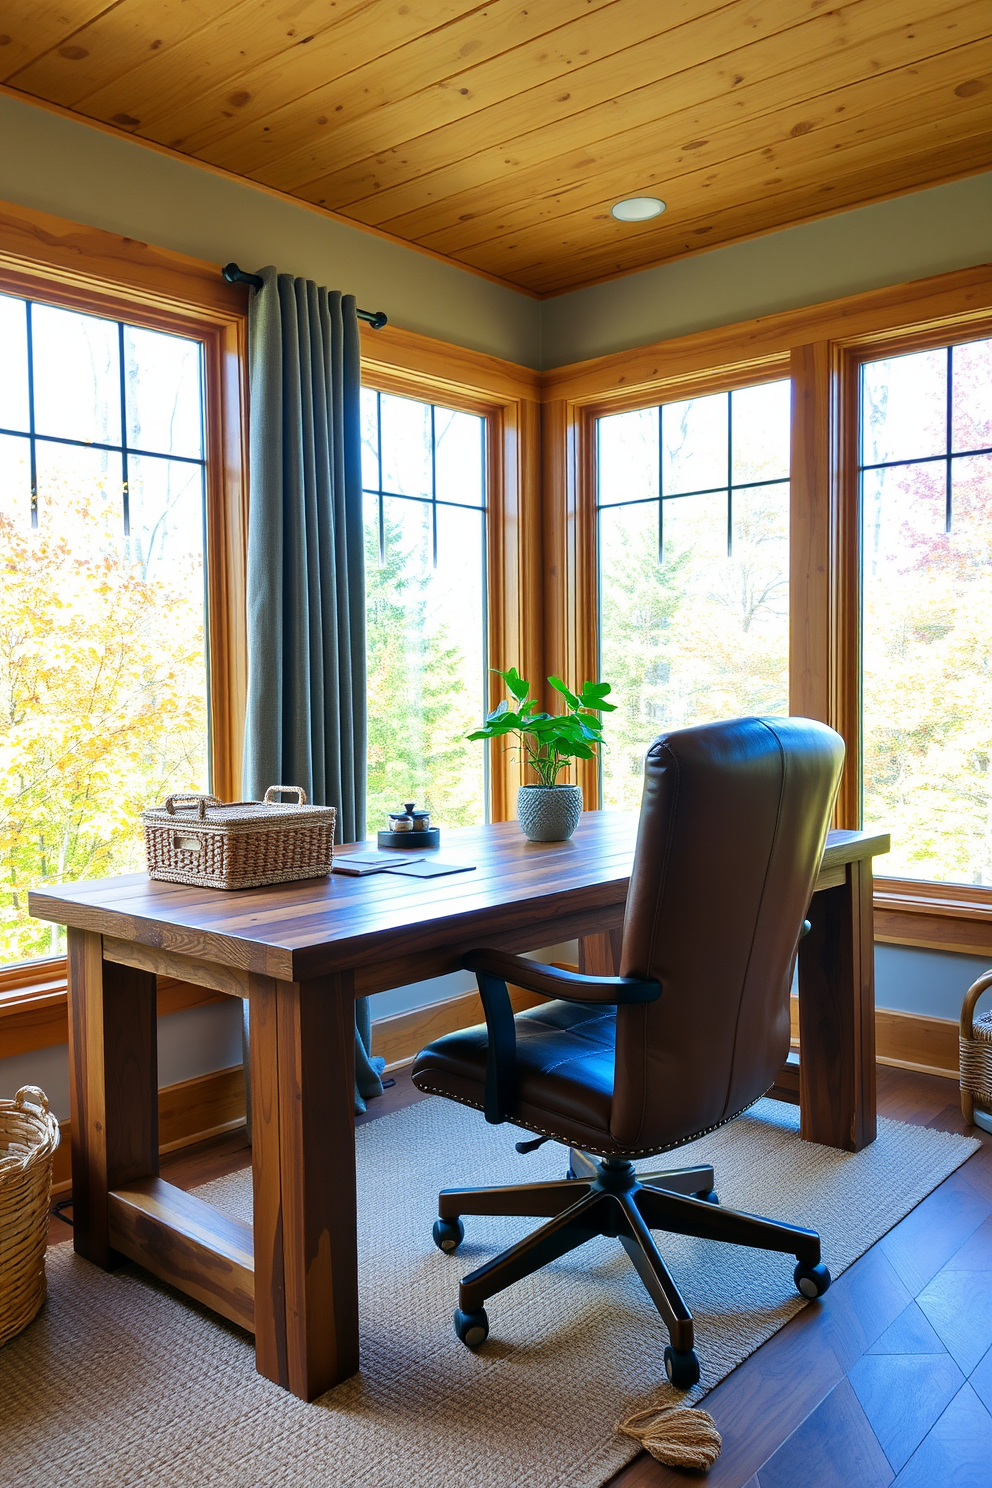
<point x="200" y="799"/>
<point x="274" y="790"/>
<point x="32" y="1095"/>
<point x="971" y="997"/>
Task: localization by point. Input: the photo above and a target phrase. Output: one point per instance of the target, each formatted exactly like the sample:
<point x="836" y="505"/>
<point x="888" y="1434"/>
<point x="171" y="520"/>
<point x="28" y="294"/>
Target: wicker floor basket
<point x="976" y="1056"/>
<point x="198" y="840"/>
<point x="29" y="1135"/>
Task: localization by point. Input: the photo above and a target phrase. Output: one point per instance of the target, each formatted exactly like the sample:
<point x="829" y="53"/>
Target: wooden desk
<point x="301" y="953"/>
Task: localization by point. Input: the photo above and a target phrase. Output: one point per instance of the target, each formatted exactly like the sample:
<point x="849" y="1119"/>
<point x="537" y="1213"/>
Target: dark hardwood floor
<point x="887" y="1381"/>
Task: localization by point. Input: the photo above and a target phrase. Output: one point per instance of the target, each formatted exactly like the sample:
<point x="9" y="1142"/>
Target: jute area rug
<point x="121" y="1381"/>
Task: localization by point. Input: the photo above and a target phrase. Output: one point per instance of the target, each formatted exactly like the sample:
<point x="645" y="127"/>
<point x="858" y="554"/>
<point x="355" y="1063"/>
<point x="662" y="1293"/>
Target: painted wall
<point x="73" y="170"/>
<point x="929" y="232"/>
<point x="192" y="1042"/>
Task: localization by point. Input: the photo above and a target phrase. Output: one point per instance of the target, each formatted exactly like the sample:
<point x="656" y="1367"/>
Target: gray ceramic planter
<point x="549" y="813"/>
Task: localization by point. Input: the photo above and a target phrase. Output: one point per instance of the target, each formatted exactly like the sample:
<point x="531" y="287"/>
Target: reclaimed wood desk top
<point x="293" y="931"/>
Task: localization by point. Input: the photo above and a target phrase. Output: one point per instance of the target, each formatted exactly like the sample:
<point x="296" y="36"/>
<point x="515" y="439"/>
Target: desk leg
<point x="599" y="954"/>
<point x="303" y="1160"/>
<point x="113" y="1061"/>
<point x="837" y="1015"/>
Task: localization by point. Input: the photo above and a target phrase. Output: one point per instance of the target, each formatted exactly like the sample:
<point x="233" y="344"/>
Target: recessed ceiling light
<point x="637" y="209"/>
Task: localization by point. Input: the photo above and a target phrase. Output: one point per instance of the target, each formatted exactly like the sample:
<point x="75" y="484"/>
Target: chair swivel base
<point x="609" y="1198"/>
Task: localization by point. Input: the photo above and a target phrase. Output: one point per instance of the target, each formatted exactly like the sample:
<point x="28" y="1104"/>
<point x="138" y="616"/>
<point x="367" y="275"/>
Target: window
<point x="693" y="538"/>
<point x="103" y="643"/>
<point x="925" y="468"/>
<point x="424" y="473"/>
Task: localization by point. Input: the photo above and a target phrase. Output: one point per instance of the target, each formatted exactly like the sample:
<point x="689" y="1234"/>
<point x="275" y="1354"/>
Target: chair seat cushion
<point x="565" y="1059"/>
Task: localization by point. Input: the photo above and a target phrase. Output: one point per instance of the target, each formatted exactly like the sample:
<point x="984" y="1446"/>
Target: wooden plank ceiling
<point x="499" y="135"/>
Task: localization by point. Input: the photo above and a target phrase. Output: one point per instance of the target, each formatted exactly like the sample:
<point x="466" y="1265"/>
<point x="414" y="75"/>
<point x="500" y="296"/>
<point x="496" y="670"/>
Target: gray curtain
<point x="305" y="718"/>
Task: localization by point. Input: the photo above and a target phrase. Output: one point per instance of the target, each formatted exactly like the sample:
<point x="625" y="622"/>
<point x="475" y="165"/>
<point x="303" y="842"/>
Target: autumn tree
<point x="102" y="705"/>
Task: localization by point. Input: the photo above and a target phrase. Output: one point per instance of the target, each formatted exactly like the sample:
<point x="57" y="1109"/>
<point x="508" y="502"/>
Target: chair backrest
<point x="733" y="821"/>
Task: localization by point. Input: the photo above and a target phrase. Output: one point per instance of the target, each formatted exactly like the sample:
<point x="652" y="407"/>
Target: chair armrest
<point x="493" y="969"/>
<point x="570" y="986"/>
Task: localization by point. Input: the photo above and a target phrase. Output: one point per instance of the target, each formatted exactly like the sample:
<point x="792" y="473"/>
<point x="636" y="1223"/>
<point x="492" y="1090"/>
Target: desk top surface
<point x="303" y="928"/>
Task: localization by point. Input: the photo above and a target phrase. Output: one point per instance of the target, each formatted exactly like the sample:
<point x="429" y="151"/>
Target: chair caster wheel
<point x="472" y="1327"/>
<point x="682" y="1367"/>
<point x="448" y="1234"/>
<point x="707" y="1196"/>
<point x="812" y="1281"/>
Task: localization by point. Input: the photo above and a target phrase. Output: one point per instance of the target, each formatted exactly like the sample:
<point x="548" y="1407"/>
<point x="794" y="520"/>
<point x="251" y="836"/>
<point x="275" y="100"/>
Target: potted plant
<point x="549" y="812"/>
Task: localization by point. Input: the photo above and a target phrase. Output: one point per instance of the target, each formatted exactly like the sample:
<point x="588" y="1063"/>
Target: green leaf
<point x="497" y="712"/>
<point x="566" y="692"/>
<point x="514" y="682"/>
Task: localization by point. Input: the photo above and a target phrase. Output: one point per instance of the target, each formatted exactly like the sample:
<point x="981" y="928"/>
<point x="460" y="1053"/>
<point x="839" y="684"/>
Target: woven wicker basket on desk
<point x="976" y="1056"/>
<point x="29" y="1135"/>
<point x="198" y="840"/>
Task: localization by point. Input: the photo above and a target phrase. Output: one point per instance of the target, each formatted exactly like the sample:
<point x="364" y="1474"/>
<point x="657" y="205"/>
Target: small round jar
<point x="399" y="821"/>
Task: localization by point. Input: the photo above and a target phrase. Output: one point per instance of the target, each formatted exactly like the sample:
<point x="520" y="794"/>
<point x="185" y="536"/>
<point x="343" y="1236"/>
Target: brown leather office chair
<point x="692" y="1032"/>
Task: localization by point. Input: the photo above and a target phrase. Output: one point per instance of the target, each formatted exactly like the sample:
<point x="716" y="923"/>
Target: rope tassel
<point x="676" y="1435"/>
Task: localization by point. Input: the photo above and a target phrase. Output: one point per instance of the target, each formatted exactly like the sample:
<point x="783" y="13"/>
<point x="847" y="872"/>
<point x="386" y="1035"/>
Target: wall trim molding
<point x="910" y="1041"/>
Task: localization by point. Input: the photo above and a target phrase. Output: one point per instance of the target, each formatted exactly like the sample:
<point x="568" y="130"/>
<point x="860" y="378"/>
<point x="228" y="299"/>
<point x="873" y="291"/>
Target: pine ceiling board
<point x="693" y="130"/>
<point x="809" y="161"/>
<point x="722" y="107"/>
<point x="318" y="38"/>
<point x="604" y="174"/>
<point x="117" y="40"/>
<point x="407" y="154"/>
<point x="29" y="27"/>
<point x="282" y="118"/>
<point x="435" y="166"/>
<point x="738" y="223"/>
<point x="543" y="73"/>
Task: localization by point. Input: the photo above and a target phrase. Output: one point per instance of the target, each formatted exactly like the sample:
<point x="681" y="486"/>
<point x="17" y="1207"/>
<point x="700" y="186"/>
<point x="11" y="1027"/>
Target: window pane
<point x="459" y="440"/>
<point x="165" y="501"/>
<point x="163" y="393"/>
<point x="694" y="444"/>
<point x="77" y="388"/>
<point x="640" y="604"/>
<point x="13" y="364"/>
<point x="700" y="635"/>
<point x="762" y="432"/>
<point x="927" y="664"/>
<point x="904" y="407"/>
<point x="425" y="662"/>
<point x="107" y="683"/>
<point x="81" y="496"/>
<point x="628" y="456"/>
<point x="972" y="417"/>
<point x="15" y="479"/>
<point x="406" y="446"/>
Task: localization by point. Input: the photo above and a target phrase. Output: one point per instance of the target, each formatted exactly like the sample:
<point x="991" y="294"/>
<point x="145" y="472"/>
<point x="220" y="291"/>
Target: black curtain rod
<point x="375" y="318"/>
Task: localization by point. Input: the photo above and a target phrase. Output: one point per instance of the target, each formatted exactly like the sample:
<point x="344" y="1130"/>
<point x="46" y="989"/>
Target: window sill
<point x="934" y="916"/>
